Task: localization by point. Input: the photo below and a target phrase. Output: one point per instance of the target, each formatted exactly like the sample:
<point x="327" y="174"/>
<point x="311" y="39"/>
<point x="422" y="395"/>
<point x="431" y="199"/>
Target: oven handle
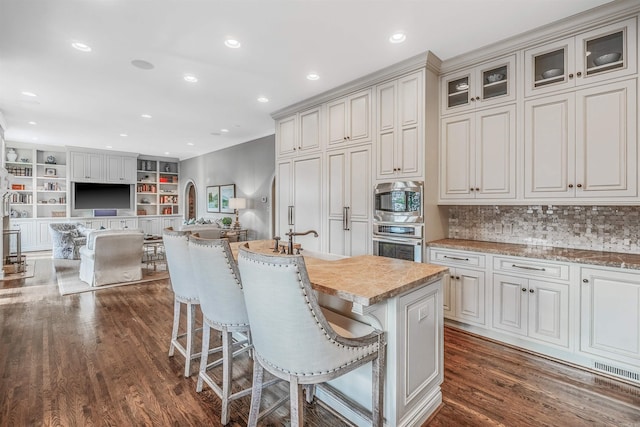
<point x="413" y="242"/>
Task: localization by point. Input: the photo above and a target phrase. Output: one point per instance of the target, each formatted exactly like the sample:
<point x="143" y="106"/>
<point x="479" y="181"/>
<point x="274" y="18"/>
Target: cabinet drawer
<point x="531" y="267"/>
<point x="458" y="258"/>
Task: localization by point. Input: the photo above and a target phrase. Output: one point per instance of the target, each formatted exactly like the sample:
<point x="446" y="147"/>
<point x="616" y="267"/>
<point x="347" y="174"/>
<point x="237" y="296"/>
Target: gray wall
<point x="251" y="167"/>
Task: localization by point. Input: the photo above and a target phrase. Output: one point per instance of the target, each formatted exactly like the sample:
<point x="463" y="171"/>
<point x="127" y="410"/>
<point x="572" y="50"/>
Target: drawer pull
<point x="455" y="258"/>
<point x="528" y="268"/>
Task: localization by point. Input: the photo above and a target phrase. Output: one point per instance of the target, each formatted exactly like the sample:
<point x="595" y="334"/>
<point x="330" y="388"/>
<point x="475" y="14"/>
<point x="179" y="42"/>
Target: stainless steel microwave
<point x="399" y="201"/>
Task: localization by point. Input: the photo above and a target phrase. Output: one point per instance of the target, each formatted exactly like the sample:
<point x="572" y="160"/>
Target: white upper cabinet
<point x="400" y="111"/>
<point x="87" y="166"/>
<point x="121" y="169"/>
<point x="590" y="57"/>
<point x="349" y="119"/>
<point x="300" y="133"/>
<point x="582" y="144"/>
<point x="486" y="84"/>
<point x="478" y="155"/>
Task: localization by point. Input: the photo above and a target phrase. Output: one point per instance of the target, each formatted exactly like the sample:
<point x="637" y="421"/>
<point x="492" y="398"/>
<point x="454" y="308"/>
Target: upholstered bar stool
<point x="176" y="246"/>
<point x="222" y="303"/>
<point x="292" y="338"/>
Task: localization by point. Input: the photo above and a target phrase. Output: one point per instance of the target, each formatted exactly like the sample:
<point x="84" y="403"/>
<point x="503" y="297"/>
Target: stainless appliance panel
<point x="399" y="201"/>
<point x="399" y="248"/>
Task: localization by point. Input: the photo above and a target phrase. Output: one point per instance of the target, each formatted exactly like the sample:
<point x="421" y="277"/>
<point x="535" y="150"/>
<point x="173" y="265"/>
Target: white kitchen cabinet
<point x="532" y="308"/>
<point x="349" y="197"/>
<point x="87" y="166"/>
<point x="122" y="223"/>
<point x="580" y="60"/>
<point x="300" y="133"/>
<point x="478" y="155"/>
<point x="610" y="314"/>
<point x="480" y="86"/>
<point x="349" y="119"/>
<point x="583" y="144"/>
<point x="400" y="127"/>
<point x="464" y="293"/>
<point x="299" y="202"/>
<point x="152" y="226"/>
<point x="121" y="169"/>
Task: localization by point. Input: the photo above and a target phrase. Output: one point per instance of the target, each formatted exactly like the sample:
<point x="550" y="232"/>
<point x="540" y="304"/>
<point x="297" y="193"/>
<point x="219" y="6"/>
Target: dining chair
<point x="222" y="303"/>
<point x="182" y="280"/>
<point x="292" y="338"/>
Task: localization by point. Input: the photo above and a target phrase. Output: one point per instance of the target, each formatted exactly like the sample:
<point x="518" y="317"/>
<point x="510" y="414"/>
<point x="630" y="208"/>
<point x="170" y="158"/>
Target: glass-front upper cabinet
<point x="600" y="54"/>
<point x="486" y="84"/>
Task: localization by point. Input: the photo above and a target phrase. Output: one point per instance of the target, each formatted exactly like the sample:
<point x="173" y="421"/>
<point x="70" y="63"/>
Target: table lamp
<point x="237" y="203"/>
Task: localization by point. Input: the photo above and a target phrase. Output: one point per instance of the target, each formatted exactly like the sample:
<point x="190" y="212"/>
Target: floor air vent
<point x="633" y="376"/>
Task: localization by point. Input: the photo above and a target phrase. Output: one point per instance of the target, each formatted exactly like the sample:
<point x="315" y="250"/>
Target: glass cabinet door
<point x="549" y="67"/>
<point x="457" y="92"/>
<point x="607" y="52"/>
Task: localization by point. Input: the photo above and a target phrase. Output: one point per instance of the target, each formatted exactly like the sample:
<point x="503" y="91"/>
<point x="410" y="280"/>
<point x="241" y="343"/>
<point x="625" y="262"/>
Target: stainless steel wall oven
<point x="398" y="228"/>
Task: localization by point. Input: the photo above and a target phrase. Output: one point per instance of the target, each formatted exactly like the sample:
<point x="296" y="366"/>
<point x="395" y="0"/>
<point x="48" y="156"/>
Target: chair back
<point x="218" y="282"/>
<point x="288" y="329"/>
<point x="176" y="247"/>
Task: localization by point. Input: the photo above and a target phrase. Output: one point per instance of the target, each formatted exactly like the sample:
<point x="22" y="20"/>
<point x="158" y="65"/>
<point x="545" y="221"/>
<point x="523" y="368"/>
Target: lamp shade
<point x="237" y="203"/>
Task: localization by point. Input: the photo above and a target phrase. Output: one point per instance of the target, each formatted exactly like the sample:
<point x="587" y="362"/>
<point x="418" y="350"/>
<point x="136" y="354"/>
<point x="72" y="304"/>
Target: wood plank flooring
<point x="100" y="358"/>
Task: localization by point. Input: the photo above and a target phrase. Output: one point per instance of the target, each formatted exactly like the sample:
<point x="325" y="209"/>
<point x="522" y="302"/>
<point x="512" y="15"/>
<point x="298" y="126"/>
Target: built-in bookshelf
<point x="157" y="187"/>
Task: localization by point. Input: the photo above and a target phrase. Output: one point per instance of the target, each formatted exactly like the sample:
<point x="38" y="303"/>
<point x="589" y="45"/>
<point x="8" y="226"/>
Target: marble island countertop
<point x="365" y="279"/>
<point x="580" y="256"/>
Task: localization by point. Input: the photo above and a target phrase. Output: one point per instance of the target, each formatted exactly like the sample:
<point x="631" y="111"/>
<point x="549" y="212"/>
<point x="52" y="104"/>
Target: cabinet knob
<point x="471" y="189"/>
<point x="585" y="280"/>
<point x="473" y="99"/>
<point x="524" y="289"/>
<point x="579" y="73"/>
<point x="477" y="189"/>
<point x="571" y="75"/>
<point x="570" y="185"/>
<point x="477" y="98"/>
<point x="531" y="290"/>
<point x="579" y="185"/>
<point x="457" y="277"/>
<point x="344" y="138"/>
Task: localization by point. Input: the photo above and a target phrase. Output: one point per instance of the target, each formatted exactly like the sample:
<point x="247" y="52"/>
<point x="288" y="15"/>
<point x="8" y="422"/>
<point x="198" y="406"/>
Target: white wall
<point x="251" y="167"/>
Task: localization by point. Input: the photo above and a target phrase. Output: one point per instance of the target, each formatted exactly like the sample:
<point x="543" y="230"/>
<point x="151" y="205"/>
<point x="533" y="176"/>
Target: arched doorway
<point x="190" y="197"/>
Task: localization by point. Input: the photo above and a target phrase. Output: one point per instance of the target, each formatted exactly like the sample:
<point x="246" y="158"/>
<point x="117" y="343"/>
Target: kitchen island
<point x="400" y="297"/>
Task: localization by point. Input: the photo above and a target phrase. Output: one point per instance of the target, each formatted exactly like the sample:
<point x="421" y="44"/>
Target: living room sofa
<point x="112" y="256"/>
<point x="67" y="238"/>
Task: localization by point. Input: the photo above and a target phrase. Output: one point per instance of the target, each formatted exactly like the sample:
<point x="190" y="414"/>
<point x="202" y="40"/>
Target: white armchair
<point x="111" y="256"/>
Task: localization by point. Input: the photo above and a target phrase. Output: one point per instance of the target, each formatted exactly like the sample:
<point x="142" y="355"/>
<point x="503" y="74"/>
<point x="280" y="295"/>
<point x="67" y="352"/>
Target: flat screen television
<point x="88" y="195"/>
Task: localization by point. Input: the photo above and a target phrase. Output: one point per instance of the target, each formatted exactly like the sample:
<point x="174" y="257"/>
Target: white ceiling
<point x="89" y="99"/>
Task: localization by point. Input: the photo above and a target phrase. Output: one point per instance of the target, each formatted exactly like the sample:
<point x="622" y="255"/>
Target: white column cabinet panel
<point x="349" y="119"/>
<point x="610" y="314"/>
<point x="121" y="169"/>
<point x="286" y="135"/>
<point x="299" y="133"/>
<point x="470" y="296"/>
<point x="350" y="193"/>
<point x="87" y="166"/>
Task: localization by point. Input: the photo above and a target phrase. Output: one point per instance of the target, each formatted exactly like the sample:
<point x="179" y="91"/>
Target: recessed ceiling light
<point x="123" y="134"/>
<point x="190" y="78"/>
<point x="166" y="153"/>
<point x="224" y="130"/>
<point x="35" y="138"/>
<point x="33" y="123"/>
<point x="312" y="76"/>
<point x="142" y="64"/>
<point x="263" y="99"/>
<point x="82" y="47"/>
<point x="27" y="93"/>
<point x="232" y="43"/>
<point x="145" y="116"/>
<point x="108" y="146"/>
<point x="190" y="144"/>
<point x="215" y="133"/>
<point x="398" y="37"/>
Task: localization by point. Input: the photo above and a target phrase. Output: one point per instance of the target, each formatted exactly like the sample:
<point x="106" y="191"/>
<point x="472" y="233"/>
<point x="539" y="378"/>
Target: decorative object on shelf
<point x="607" y="58"/>
<point x="237" y="203"/>
<point x="51" y="160"/>
<point x="462" y="86"/>
<point x="145" y="201"/>
<point x="52" y="200"/>
<point x="213" y="198"/>
<point x="227" y="192"/>
<point x="553" y="72"/>
<point x="167" y="168"/>
<point x="495" y="77"/>
<point x="50" y="172"/>
<point x="24" y="160"/>
<point x="11" y="155"/>
<point x="226" y="222"/>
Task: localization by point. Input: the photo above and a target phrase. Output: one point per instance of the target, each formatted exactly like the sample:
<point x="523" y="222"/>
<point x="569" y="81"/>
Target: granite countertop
<point x="581" y="256"/>
<point x="364" y="279"/>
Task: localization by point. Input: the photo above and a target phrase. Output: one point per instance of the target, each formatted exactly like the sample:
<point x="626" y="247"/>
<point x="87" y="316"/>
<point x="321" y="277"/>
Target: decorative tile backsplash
<point x="606" y="228"/>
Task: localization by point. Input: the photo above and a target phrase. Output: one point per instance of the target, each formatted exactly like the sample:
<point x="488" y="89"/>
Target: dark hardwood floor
<point x="100" y="358"/>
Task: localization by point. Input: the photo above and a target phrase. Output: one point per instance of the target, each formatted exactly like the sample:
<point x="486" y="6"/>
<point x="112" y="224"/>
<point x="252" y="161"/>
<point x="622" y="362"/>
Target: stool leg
<point x="204" y="354"/>
<point x="297" y="404"/>
<point x="256" y="393"/>
<point x="227" y="371"/>
<point x="378" y="367"/>
<point x="191" y="322"/>
<point x="176" y="323"/>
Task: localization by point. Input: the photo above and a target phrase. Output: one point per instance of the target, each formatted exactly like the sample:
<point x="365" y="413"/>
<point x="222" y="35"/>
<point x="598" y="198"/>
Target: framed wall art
<point x="213" y="198"/>
<point x="226" y="192"/>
